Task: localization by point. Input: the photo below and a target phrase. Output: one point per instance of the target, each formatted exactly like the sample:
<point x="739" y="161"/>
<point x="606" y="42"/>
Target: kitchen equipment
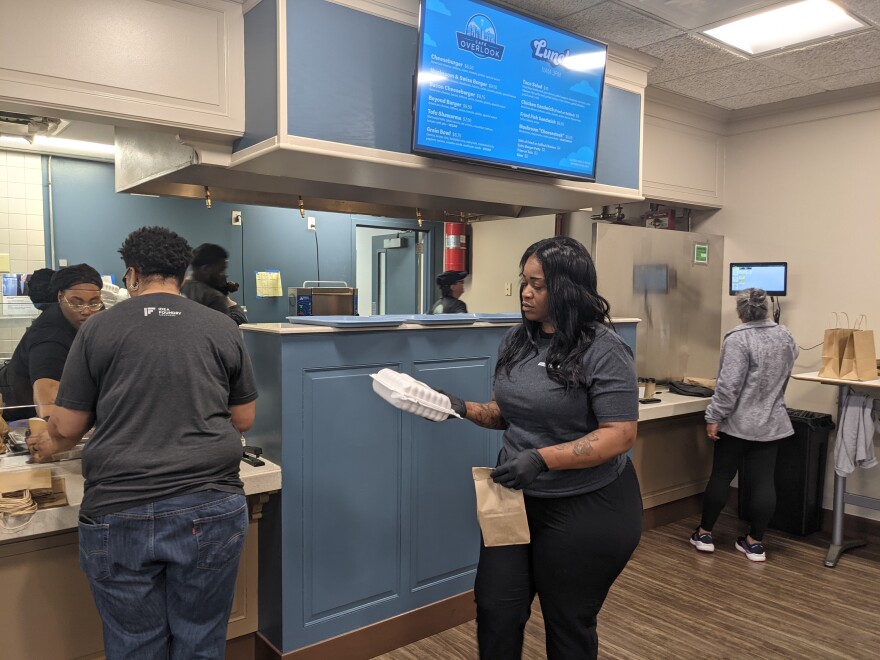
<point x="653" y="276"/>
<point x="316" y="298"/>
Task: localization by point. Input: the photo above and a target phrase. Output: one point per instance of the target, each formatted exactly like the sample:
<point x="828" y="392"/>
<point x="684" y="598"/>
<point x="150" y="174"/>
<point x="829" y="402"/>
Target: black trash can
<point x="800" y="475"/>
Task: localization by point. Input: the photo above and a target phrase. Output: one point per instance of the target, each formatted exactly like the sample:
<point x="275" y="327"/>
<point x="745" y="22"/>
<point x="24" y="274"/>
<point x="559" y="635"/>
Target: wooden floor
<point x="672" y="602"/>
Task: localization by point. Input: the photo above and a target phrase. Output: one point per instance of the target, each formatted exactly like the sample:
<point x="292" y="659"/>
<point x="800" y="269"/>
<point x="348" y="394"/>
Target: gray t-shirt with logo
<point x="159" y="372"/>
<point x="541" y="413"/>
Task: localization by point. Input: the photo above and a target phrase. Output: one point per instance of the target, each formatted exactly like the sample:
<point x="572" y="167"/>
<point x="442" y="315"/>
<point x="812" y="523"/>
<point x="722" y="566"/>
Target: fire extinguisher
<point x="455" y="244"/>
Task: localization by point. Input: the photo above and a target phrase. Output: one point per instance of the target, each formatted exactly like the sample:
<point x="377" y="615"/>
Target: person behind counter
<point x="39" y="288"/>
<point x="30" y="379"/>
<point x="451" y="283"/>
<point x="747" y="420"/>
<point x="566" y="395"/>
<point x="208" y="284"/>
<point x="169" y="387"/>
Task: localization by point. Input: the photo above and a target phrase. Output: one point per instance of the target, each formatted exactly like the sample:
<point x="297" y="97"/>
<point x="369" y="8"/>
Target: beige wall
<point x="800" y="188"/>
<point x="497" y="248"/>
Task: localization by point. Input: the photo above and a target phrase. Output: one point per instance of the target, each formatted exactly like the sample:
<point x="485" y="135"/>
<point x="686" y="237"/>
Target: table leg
<point x="838" y="545"/>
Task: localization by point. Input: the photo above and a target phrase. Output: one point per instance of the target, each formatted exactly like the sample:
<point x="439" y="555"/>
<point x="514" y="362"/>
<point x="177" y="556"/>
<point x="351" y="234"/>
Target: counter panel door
<point x="351" y="491"/>
<point x="445" y="539"/>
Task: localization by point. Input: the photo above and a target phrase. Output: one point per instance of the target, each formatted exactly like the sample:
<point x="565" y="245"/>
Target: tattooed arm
<point x="487" y="415"/>
<point x="609" y="440"/>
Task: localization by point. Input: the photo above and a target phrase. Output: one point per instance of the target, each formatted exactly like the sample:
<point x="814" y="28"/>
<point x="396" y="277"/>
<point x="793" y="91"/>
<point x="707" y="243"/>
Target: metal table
<point x="841" y="497"/>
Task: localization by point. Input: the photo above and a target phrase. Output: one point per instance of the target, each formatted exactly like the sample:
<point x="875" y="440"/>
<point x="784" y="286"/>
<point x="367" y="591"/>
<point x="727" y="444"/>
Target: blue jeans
<point x="163" y="574"/>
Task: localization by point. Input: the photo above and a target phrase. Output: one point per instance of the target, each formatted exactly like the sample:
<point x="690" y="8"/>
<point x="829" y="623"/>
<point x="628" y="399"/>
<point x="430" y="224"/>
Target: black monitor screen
<point x="772" y="276"/>
<point x="500" y="88"/>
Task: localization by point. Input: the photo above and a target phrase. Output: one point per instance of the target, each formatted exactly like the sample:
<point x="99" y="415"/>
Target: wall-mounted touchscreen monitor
<point x="772" y="276"/>
<point x="499" y="88"/>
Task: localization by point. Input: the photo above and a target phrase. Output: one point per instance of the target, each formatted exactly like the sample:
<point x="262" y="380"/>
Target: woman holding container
<point x="565" y="394"/>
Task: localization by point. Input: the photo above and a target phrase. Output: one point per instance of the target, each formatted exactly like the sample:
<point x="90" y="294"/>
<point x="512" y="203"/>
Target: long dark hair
<point x="574" y="306"/>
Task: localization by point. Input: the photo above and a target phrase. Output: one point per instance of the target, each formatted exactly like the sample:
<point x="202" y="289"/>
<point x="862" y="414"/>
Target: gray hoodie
<point x="756" y="361"/>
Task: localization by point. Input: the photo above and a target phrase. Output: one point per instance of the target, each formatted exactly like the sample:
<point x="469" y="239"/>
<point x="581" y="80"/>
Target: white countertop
<point x="814" y="377"/>
<point x="263" y="479"/>
<point x="295" y="329"/>
<point x="672" y="405"/>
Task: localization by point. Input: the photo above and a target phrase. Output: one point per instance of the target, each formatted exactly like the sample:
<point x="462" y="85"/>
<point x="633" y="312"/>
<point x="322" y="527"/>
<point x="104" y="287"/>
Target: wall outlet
<point x="236" y="218"/>
<point x="508" y="288"/>
<point x="312" y="224"/>
<point x="62" y="263"/>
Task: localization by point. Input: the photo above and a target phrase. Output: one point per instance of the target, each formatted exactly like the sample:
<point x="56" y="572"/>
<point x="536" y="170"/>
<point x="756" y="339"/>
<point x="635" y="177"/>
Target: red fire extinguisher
<point x="455" y="244"/>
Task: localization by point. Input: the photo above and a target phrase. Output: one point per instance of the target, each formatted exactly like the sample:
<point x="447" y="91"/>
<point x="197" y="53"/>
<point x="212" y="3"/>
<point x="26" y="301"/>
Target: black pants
<point x="579" y="546"/>
<point x="760" y="464"/>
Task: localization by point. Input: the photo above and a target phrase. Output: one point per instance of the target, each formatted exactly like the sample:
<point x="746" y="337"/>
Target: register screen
<point x="770" y="276"/>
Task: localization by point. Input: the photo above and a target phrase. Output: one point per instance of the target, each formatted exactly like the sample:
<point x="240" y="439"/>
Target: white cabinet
<point x="174" y="63"/>
<point x="683" y="152"/>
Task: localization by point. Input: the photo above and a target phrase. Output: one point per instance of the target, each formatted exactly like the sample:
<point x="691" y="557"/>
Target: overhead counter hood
<point x="343" y="178"/>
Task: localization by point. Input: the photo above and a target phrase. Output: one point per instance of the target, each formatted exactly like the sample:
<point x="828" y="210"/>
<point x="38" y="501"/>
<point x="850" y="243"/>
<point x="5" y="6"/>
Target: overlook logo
<point x="480" y="38"/>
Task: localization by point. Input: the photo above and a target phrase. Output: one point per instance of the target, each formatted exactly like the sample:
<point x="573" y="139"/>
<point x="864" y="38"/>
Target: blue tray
<point x="501" y="317"/>
<point x="442" y="319"/>
<point x="349" y="321"/>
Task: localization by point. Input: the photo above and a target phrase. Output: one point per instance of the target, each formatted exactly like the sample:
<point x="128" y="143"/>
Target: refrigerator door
<point x="674" y="286"/>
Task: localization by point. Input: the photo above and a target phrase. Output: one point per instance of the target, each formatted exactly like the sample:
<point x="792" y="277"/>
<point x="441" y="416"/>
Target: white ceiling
<point x="699" y="68"/>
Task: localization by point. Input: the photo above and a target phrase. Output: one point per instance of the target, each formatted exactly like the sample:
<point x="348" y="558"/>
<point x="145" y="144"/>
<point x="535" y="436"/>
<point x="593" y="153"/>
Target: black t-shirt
<point x="540" y="412"/>
<point x="41" y="353"/>
<point x="159" y="372"/>
<point x="206" y="295"/>
<point x="449" y="305"/>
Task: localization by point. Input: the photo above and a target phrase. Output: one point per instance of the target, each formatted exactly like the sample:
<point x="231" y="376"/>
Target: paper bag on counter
<point x="501" y="511"/>
<point x="833" y="346"/>
<point x="859" y="361"/>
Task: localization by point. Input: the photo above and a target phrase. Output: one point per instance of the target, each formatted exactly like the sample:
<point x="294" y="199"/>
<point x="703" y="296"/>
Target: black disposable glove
<point x="521" y="470"/>
<point x="457" y="405"/>
<point x="229" y="287"/>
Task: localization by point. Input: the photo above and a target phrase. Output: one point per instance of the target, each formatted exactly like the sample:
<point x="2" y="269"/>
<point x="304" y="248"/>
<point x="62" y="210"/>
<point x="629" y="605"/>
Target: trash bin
<point x="800" y="475"/>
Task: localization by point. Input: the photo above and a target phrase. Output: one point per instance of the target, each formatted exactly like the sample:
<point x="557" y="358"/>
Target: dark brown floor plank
<point x="672" y="602"/>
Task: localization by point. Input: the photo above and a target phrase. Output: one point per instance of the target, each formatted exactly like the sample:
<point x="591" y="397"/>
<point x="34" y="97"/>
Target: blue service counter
<point x="377" y="516"/>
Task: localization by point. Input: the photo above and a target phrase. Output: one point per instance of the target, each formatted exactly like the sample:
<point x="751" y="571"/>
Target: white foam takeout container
<point x="410" y="395"/>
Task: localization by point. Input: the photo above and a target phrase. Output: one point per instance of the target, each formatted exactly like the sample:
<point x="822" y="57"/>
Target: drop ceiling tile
<point x="731" y="81"/>
<point x="859" y="51"/>
<point x="691" y="14"/>
<point x="853" y="79"/>
<point x="866" y="9"/>
<point x="552" y="9"/>
<point x="615" y="23"/>
<point x="765" y="96"/>
<point x="686" y="55"/>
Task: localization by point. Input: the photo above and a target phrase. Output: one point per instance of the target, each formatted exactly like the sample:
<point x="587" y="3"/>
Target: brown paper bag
<point x="833" y="346"/>
<point x="859" y="361"/>
<point x="501" y="511"/>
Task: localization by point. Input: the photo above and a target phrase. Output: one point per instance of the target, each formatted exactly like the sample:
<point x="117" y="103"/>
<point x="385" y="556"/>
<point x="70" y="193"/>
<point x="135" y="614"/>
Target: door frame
<point x="430" y="229"/>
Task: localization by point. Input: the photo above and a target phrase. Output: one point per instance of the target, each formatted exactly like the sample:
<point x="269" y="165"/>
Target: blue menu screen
<point x="497" y="87"/>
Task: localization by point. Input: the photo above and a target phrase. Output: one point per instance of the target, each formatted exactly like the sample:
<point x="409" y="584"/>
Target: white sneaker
<point x="702" y="542"/>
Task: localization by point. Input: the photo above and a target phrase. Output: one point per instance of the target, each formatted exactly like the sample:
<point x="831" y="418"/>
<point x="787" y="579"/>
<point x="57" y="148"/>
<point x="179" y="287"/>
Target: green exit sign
<point x="701" y="254"/>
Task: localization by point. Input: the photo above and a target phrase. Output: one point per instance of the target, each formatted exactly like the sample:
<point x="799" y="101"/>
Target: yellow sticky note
<point x="4" y="263"/>
<point x="269" y="284"/>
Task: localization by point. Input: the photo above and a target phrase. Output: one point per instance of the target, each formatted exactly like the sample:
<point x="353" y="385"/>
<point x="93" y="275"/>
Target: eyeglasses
<point x="94" y="307"/>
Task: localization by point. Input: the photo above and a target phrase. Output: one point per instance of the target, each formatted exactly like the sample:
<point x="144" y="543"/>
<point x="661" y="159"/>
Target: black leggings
<point x="760" y="464"/>
<point x="579" y="546"/>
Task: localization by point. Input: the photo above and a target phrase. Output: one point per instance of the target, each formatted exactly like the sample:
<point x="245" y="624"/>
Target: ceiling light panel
<point x="785" y="26"/>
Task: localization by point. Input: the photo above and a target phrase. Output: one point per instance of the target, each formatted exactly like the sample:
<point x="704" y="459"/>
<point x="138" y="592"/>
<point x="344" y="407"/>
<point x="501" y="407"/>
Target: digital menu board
<point x="500" y="88"/>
